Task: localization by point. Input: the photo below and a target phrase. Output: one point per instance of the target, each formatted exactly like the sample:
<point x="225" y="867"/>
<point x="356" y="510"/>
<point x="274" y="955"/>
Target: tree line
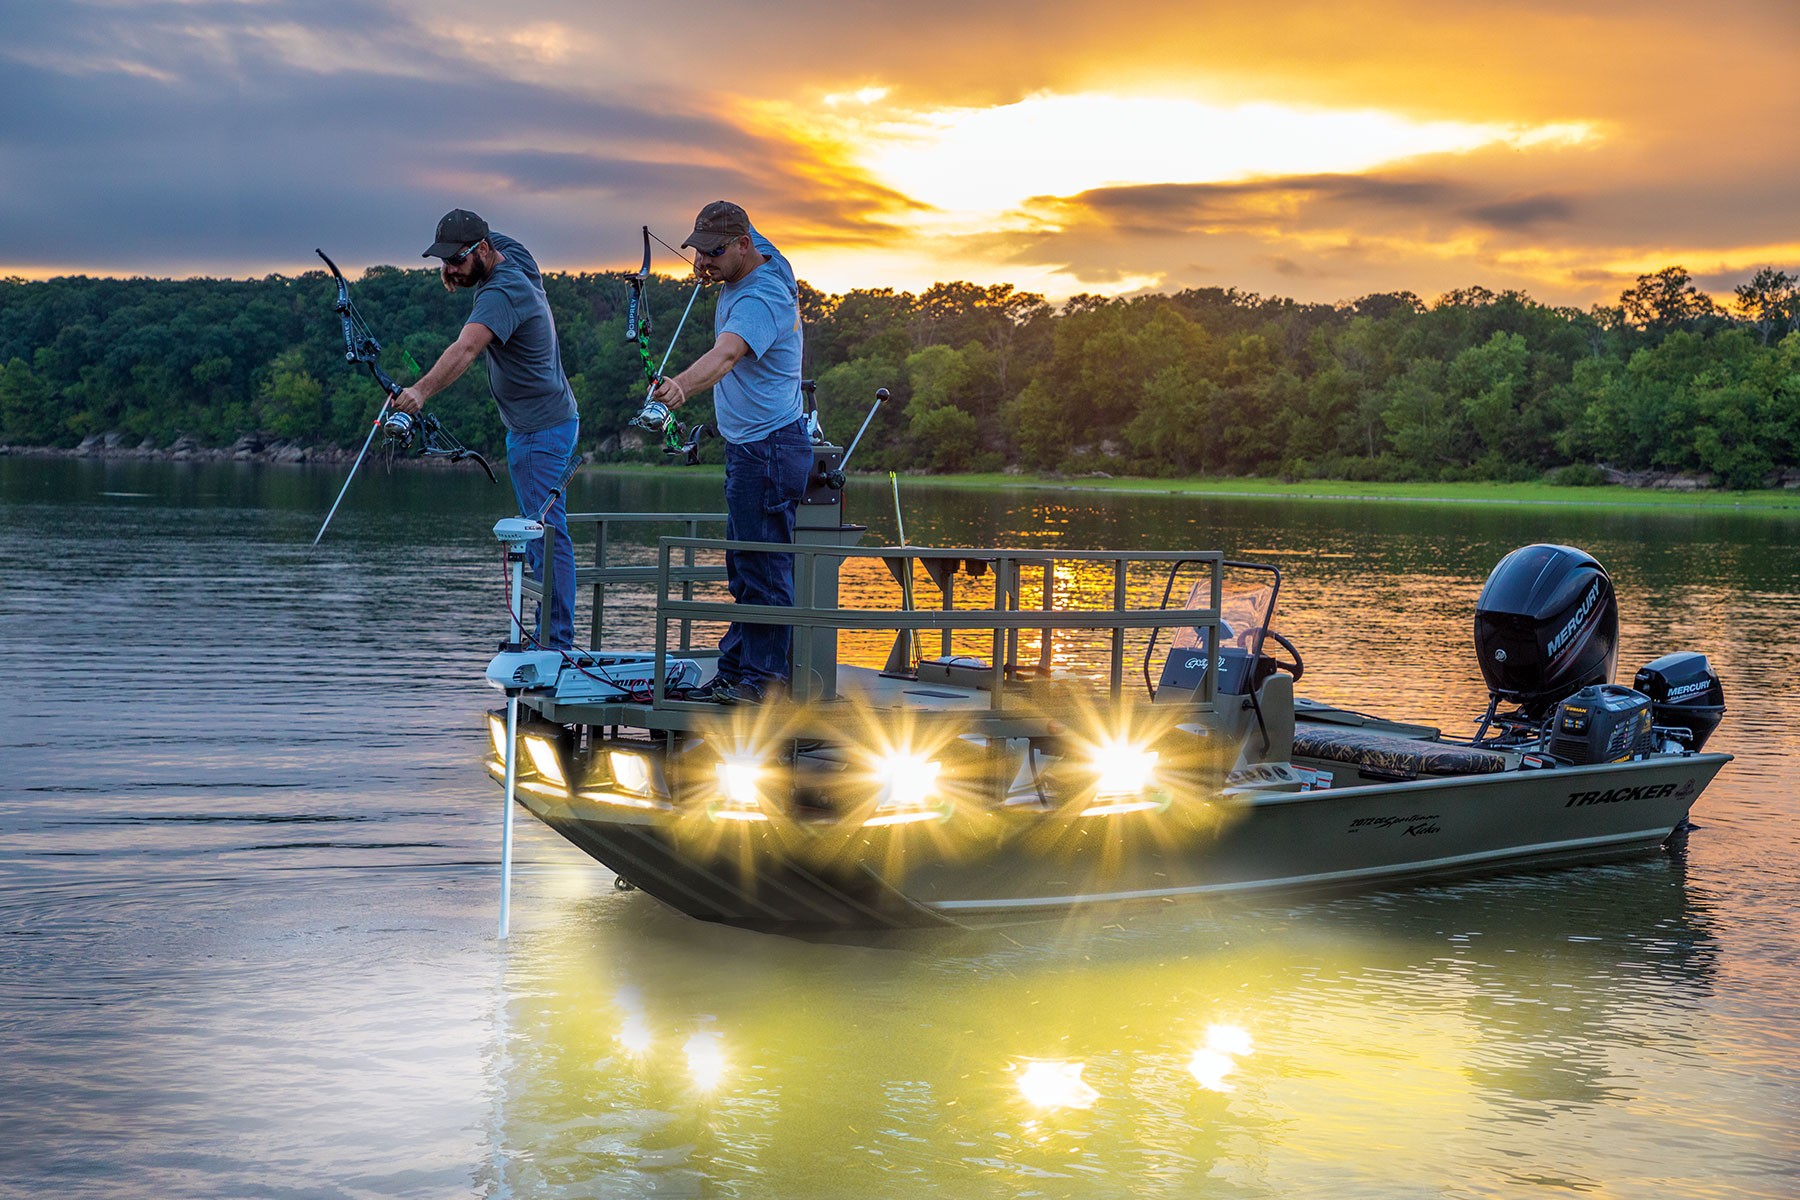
<point x="1210" y="381"/>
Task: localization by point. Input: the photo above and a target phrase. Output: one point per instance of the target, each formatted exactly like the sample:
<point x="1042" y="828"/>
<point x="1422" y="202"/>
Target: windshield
<point x="1246" y="605"/>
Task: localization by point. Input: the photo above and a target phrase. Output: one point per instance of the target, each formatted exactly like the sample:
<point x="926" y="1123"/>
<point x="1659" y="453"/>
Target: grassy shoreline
<point x="1607" y="496"/>
<point x="1610" y="496"/>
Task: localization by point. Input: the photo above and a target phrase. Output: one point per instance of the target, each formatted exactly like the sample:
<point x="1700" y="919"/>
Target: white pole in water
<point x="514" y="534"/>
<point x="506" y="825"/>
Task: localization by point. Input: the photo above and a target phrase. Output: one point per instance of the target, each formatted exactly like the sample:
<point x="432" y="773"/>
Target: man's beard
<point x="472" y="273"/>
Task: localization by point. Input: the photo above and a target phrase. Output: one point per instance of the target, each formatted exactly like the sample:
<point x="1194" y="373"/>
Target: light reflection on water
<point x="248" y="873"/>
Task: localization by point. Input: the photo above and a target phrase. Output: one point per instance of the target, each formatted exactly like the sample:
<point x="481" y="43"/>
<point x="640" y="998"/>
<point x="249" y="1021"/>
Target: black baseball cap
<point x="458" y="230"/>
<point x="718" y="223"/>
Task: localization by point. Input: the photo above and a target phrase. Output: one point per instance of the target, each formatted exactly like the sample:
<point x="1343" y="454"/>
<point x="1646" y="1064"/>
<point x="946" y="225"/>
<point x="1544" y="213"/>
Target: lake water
<point x="249" y="878"/>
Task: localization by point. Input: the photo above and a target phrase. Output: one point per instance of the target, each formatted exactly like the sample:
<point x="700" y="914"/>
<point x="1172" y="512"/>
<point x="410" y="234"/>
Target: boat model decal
<point x="1649" y="791"/>
<point x="1413" y="819"/>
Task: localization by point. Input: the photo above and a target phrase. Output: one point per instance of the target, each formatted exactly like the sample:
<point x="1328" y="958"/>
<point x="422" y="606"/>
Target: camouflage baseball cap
<point x="718" y="223"/>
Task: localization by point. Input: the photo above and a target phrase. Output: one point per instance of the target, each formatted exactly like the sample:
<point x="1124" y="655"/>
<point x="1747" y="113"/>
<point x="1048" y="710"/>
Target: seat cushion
<point x="1389" y="755"/>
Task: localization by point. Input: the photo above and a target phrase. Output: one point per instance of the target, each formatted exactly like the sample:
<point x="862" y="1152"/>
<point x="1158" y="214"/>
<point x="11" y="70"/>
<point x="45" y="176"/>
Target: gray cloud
<point x="230" y="138"/>
<point x="181" y="138"/>
<point x="1523" y="212"/>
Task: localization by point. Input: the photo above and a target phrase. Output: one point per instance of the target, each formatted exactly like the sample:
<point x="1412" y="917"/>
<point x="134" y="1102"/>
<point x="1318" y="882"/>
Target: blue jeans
<point x="764" y="481"/>
<point x="536" y="461"/>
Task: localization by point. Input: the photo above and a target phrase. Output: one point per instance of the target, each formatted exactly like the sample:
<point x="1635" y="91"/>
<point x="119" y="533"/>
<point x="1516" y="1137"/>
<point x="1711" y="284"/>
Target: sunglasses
<point x="721" y="248"/>
<point x="456" y="259"/>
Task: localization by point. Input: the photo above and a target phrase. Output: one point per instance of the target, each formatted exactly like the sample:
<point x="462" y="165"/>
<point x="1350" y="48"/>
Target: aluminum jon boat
<point x="1091" y="728"/>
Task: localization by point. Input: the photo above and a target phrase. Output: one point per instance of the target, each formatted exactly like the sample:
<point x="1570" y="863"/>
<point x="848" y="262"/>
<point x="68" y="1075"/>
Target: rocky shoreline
<point x="249" y="448"/>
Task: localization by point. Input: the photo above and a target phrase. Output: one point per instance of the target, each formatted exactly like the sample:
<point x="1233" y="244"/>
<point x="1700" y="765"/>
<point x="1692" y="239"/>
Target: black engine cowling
<point x="1546" y="625"/>
<point x="1685" y="694"/>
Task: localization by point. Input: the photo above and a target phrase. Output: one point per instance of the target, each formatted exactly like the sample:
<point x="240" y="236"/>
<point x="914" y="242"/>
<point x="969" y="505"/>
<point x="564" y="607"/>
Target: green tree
<point x="1666" y="301"/>
<point x="28" y="412"/>
<point x="1770" y="300"/>
<point x="291" y="402"/>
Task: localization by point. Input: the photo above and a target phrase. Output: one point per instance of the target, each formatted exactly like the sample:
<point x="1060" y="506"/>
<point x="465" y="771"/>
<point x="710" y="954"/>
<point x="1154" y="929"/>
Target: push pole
<point x="506" y="823"/>
<point x="514" y="534"/>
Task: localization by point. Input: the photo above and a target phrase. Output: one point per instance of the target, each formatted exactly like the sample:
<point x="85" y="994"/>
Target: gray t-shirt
<point x="762" y="393"/>
<point x="525" y="371"/>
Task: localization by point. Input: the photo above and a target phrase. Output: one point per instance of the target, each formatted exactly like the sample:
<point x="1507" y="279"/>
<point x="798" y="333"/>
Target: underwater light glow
<point x="1051" y="1084"/>
<point x="706" y="1059"/>
<point x="497" y="732"/>
<point x="1217" y="1058"/>
<point x="634" y="1034"/>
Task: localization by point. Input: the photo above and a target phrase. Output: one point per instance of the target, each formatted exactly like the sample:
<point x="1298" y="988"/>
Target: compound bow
<point x="654" y="415"/>
<point x="399" y="428"/>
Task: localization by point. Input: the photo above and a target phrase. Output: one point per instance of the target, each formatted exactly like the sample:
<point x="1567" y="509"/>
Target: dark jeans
<point x="536" y="461"/>
<point x="764" y="481"/>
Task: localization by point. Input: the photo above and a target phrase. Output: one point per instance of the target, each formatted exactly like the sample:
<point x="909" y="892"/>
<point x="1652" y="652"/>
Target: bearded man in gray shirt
<point x="512" y="324"/>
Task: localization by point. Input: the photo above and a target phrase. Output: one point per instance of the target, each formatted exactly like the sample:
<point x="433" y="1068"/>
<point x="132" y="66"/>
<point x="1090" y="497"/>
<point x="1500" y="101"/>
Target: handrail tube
<point x="1002" y="620"/>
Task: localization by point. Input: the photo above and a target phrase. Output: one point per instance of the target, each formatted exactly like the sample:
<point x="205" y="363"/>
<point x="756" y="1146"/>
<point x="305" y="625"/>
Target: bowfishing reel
<point x="654" y="416"/>
<point x="401" y="430"/>
<point x="677" y="438"/>
<point x="397" y="431"/>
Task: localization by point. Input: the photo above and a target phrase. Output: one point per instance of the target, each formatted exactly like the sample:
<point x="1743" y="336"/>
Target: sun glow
<point x="985" y="161"/>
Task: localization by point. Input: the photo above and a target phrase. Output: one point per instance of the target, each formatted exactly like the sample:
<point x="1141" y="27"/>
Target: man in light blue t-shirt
<point x="754" y="371"/>
<point x="511" y="323"/>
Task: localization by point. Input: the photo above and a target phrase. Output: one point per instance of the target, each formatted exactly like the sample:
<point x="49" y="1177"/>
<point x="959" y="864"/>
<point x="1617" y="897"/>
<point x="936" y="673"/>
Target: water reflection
<point x="249" y="865"/>
<point x="652" y="1055"/>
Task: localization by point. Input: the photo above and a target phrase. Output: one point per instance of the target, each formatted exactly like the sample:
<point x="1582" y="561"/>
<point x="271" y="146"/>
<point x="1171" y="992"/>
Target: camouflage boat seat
<point x="1387" y="756"/>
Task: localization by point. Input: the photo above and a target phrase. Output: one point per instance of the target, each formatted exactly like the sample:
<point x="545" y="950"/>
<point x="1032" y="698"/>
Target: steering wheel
<point x="1293" y="666"/>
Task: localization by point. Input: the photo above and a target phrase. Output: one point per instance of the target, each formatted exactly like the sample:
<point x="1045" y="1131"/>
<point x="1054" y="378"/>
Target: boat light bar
<point x="908" y="785"/>
<point x="630" y="771"/>
<point x="543" y="757"/>
<point x="740" y="791"/>
<point x="1123" y="770"/>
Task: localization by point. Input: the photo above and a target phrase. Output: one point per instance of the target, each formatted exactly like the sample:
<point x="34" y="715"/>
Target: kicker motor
<point x="1547" y="639"/>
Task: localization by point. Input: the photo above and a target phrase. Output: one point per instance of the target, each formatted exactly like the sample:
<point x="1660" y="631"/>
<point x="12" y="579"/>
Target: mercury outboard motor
<point x="1686" y="697"/>
<point x="1546" y="626"/>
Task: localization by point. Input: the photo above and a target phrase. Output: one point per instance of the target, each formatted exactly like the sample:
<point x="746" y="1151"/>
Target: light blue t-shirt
<point x="762" y="392"/>
<point x="525" y="371"/>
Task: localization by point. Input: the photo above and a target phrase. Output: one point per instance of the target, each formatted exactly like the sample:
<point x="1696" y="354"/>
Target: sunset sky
<point x="1319" y="151"/>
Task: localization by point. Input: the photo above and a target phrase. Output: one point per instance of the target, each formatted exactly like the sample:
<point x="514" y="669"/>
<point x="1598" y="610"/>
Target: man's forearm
<point x="447" y="369"/>
<point x="707" y="370"/>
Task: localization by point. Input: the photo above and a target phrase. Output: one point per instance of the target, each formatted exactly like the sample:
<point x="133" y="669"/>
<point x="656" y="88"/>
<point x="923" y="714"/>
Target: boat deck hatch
<point x="1388" y="756"/>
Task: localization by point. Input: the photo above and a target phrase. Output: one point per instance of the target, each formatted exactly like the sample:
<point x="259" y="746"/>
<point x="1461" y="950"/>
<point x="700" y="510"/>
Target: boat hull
<point x="1022" y="862"/>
